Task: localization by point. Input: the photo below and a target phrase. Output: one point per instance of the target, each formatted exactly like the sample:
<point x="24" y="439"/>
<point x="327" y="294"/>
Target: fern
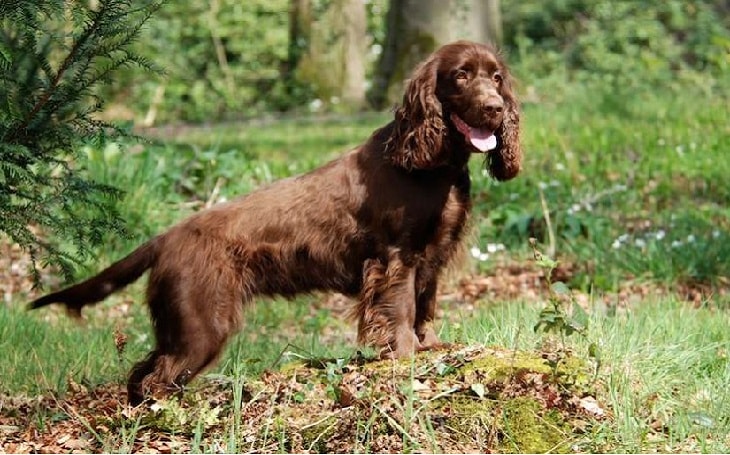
<point x="54" y="56"/>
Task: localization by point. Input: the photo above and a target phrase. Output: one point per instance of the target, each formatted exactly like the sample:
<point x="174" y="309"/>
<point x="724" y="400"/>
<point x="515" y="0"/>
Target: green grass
<point x="636" y="192"/>
<point x="664" y="369"/>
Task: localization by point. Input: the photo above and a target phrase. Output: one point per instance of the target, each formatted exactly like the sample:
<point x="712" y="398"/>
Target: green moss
<point x="475" y="398"/>
<point x="526" y="428"/>
<point x="466" y="419"/>
<point x="316" y="435"/>
<point x="517" y="425"/>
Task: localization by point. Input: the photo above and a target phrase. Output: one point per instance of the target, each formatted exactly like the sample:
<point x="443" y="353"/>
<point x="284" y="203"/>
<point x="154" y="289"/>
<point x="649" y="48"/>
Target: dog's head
<point x="462" y="94"/>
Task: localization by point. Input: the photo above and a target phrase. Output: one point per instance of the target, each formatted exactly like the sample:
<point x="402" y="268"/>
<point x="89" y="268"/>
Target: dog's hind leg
<point x="191" y="326"/>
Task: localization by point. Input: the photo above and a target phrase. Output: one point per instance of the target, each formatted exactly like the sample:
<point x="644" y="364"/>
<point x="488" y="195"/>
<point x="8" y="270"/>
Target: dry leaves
<point x="341" y="405"/>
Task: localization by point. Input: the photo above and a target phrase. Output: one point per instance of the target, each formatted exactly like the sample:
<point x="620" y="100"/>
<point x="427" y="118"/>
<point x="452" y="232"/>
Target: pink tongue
<point x="482" y="139"/>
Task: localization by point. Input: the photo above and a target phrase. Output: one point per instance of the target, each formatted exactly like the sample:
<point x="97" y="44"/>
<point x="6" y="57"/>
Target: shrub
<point x="53" y="55"/>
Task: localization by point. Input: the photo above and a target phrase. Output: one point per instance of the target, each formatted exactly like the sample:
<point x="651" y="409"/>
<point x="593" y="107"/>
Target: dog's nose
<point x="493" y="106"/>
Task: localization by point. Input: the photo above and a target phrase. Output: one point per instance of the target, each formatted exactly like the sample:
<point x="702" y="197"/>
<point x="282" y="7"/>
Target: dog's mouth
<point x="483" y="139"/>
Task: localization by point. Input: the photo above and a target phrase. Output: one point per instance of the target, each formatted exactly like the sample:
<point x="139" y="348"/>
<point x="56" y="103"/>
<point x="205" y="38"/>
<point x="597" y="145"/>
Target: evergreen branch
<point x="88" y="33"/>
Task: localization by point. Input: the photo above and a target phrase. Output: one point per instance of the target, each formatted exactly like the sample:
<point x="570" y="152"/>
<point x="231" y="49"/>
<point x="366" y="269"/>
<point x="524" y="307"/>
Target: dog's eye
<point x="497" y="78"/>
<point x="461" y="75"/>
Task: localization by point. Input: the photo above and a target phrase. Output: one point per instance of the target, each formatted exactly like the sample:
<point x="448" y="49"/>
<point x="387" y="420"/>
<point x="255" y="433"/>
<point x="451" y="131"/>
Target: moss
<point x="526" y="428"/>
<point x="475" y="399"/>
<point x="517" y="425"/>
<point x="316" y="435"/>
<point x="467" y="419"/>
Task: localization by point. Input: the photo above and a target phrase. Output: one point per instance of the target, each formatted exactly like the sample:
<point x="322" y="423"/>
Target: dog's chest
<point x="435" y="216"/>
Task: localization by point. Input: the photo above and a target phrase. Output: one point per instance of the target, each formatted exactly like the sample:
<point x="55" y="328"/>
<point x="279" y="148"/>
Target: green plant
<point x="53" y="57"/>
<point x="555" y="317"/>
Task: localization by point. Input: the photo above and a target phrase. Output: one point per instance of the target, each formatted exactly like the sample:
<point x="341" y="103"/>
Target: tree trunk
<point x="487" y="21"/>
<point x="333" y="63"/>
<point x="415" y="28"/>
<point x="300" y="33"/>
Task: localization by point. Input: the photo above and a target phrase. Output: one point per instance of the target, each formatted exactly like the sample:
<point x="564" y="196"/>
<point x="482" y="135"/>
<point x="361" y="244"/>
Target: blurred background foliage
<point x="229" y="59"/>
<point x="625" y="107"/>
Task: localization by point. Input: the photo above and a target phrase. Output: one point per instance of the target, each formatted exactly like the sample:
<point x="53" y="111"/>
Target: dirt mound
<point x="465" y="399"/>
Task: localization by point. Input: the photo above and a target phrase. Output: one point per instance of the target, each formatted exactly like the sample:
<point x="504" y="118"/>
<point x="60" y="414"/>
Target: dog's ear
<point x="419" y="126"/>
<point x="504" y="162"/>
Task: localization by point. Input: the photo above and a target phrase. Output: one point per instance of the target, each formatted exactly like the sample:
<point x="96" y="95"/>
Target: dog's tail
<point x="111" y="279"/>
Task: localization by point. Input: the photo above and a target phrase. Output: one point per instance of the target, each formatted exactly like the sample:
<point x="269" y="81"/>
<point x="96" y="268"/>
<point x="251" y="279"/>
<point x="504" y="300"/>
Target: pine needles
<point x="54" y="55"/>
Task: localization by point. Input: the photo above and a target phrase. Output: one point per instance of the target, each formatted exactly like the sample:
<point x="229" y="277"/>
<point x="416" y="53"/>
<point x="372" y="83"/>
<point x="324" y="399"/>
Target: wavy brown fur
<point x="380" y="223"/>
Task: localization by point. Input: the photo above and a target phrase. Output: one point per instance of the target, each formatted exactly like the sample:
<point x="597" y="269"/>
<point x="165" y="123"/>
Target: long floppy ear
<point x="504" y="162"/>
<point x="419" y="127"/>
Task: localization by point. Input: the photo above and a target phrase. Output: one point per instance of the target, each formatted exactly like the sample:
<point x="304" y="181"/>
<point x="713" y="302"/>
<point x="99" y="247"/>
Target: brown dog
<point x="380" y="223"/>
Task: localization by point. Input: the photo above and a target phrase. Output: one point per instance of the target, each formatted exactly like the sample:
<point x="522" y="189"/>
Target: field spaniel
<point x="379" y="224"/>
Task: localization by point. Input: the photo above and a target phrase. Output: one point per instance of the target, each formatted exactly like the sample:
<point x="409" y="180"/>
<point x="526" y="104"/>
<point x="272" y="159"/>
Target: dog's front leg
<point x="402" y="297"/>
<point x="426" y="312"/>
<point x="387" y="308"/>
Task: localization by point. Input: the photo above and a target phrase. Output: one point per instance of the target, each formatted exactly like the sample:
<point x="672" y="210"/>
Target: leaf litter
<point x="462" y="399"/>
<point x="451" y="401"/>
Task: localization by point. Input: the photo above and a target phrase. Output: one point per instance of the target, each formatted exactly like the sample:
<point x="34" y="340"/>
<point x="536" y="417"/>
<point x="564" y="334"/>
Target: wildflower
<point x="620" y="240"/>
<point x="478" y="254"/>
<point x="315" y="105"/>
<point x="574" y="209"/>
<point x="494" y="247"/>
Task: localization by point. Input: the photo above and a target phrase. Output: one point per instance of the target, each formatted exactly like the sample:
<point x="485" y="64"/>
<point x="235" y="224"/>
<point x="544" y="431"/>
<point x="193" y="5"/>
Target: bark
<point x="415" y="28"/>
<point x="333" y="63"/>
<point x="300" y="31"/>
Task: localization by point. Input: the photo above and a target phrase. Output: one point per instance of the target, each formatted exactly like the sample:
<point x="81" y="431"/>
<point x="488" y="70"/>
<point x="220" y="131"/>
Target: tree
<point x="330" y="51"/>
<point x="53" y="56"/>
<point x="415" y="28"/>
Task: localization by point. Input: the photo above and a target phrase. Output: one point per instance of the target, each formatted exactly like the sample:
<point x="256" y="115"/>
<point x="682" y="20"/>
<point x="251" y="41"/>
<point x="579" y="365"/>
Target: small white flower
<point x="494" y="247"/>
<point x="554" y="183"/>
<point x="616" y="244"/>
<point x="483" y="257"/>
<point x="660" y="234"/>
<point x="679" y="149"/>
<point x="559" y="167"/>
<point x="623" y="237"/>
<point x="691" y="238"/>
<point x="640" y="243"/>
<point x="716" y="234"/>
<point x="542" y="185"/>
<point x="661" y="141"/>
<point x="315" y="105"/>
<point x="677" y="243"/>
<point x="475" y="252"/>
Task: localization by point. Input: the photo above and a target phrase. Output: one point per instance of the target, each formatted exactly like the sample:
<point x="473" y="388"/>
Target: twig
<point x="548" y="224"/>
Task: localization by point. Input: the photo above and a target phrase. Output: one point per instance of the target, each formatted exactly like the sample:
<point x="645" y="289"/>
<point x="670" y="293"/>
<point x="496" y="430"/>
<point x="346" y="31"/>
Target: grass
<point x="638" y="207"/>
